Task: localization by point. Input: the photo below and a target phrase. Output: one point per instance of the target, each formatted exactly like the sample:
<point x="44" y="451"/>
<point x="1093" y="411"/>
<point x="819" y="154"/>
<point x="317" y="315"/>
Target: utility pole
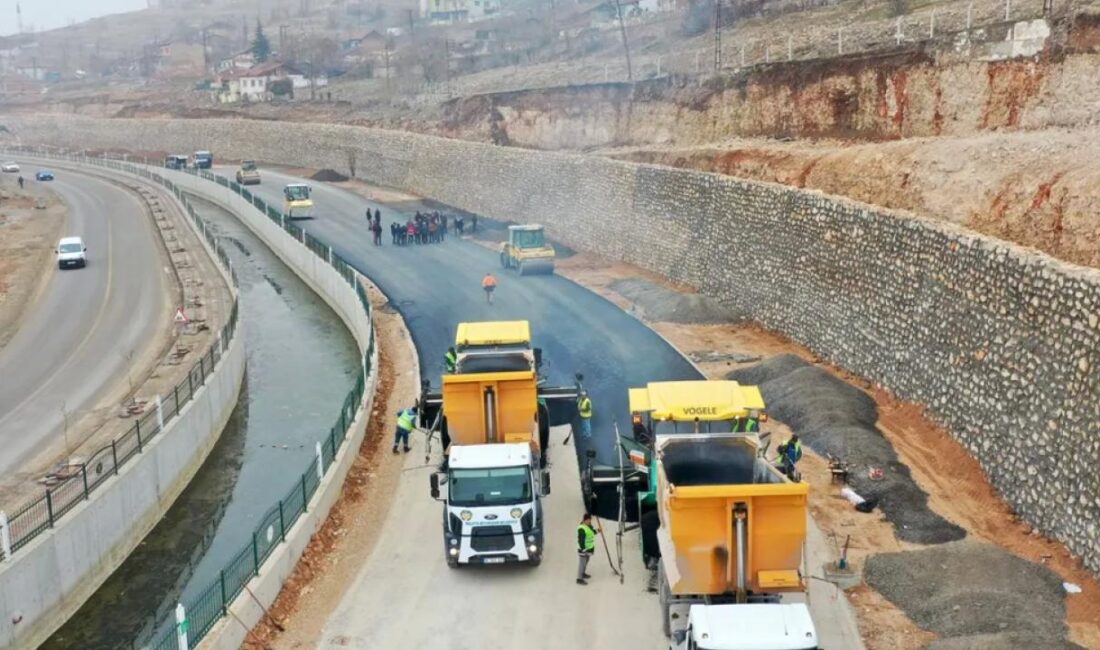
<point x="626" y="44"/>
<point x="205" y="54"/>
<point x="19" y="17"/>
<point x="717" y="35"/>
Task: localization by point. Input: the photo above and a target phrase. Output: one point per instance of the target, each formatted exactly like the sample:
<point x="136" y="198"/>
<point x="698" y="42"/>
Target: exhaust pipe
<point x="740" y="516"/>
<point x="490" y="415"/>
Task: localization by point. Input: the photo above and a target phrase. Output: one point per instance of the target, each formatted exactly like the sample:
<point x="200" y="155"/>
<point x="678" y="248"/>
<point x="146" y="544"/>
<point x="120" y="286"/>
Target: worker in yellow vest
<point x="586" y="544"/>
<point x="584" y="409"/>
<point x="405" y="423"/>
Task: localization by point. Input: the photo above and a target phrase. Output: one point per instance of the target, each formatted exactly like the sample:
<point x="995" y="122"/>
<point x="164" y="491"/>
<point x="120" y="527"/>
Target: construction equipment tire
<point x="503" y="259"/>
<point x="522" y="268"/>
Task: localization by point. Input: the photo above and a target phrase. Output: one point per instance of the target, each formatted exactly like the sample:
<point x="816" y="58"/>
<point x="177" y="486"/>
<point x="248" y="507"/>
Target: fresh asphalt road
<point x="405" y="596"/>
<point x="437" y="286"/>
<point x="76" y="342"/>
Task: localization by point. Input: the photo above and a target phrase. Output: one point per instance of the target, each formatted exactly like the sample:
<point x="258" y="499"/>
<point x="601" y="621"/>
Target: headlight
<point x="453" y="552"/>
<point x="516" y="513"/>
<point x="466" y="515"/>
<point x="531" y="538"/>
<point x="532" y="549"/>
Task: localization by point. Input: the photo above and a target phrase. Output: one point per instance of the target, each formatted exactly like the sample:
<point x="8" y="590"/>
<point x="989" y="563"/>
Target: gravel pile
<point x="974" y="596"/>
<point x="663" y="304"/>
<point x="836" y="419"/>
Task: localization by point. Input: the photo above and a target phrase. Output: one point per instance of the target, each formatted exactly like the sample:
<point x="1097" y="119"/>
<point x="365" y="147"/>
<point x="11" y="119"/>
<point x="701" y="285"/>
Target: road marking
<point x="91" y="330"/>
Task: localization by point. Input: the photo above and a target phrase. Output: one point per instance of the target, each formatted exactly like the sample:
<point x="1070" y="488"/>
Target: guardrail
<point x="40" y="515"/>
<point x="193" y="619"/>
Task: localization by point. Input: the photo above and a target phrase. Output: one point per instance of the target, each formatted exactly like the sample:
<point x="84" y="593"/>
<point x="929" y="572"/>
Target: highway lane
<point x="437" y="286"/>
<point x="72" y="350"/>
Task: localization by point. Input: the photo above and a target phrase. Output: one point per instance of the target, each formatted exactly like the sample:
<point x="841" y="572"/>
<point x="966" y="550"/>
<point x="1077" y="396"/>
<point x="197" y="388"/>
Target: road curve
<point x="435" y="287"/>
<point x="76" y="342"/>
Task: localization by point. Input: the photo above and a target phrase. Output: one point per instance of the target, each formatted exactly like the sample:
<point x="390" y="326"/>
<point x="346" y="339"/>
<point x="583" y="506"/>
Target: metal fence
<point x="41" y="514"/>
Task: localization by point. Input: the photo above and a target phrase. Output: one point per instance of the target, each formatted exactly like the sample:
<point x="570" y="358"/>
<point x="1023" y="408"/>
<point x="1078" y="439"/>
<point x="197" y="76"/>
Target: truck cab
<point x="492" y="512"/>
<point x="746" y="627"/>
<point x="175" y="161"/>
<point x="202" y="160"/>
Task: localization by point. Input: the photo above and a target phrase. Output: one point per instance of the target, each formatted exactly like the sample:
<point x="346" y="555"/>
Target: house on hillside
<point x="452" y="11"/>
<point x="255" y="83"/>
<point x="239" y="61"/>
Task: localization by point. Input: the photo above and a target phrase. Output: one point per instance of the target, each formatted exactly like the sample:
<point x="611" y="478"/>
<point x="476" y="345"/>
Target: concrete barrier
<point x="50" y="578"/>
<point x="323" y="278"/>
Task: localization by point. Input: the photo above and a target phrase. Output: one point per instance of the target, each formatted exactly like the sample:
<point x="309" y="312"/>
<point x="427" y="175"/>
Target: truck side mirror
<point x="538" y="358"/>
<point x="679" y="636"/>
<point x="434" y="481"/>
<point x="545" y="483"/>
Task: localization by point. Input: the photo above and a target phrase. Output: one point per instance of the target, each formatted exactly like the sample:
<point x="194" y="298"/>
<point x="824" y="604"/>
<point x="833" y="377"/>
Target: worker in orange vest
<point x="488" y="284"/>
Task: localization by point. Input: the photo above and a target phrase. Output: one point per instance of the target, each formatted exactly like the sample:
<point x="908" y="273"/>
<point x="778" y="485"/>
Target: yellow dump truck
<point x="723" y="528"/>
<point x="493" y="419"/>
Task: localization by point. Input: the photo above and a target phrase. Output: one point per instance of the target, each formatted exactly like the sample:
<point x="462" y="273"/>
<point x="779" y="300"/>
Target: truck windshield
<point x="70" y="248"/>
<point x="248" y="165"/>
<point x="297" y="192"/>
<point x="530" y="239"/>
<point x="495" y="486"/>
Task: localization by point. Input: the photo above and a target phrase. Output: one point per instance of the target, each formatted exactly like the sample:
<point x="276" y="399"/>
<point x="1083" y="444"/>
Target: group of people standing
<point x="423" y="228"/>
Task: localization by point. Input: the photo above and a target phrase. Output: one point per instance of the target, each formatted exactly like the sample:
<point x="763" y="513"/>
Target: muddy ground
<point x="27" y="238"/>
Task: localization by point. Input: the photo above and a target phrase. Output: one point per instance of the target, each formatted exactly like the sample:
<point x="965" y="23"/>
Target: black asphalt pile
<point x="974" y="596"/>
<point x="839" y="420"/>
<point x="662" y="304"/>
<point x="328" y="176"/>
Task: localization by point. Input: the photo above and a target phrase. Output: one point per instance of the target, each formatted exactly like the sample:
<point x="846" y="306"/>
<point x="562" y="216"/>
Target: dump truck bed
<point x="704" y="482"/>
<point x="491" y="407"/>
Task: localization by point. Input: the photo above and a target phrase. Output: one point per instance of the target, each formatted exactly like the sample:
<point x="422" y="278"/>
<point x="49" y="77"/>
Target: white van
<point x="71" y="252"/>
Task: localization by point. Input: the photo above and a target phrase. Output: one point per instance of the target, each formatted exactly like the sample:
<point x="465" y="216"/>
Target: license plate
<point x="494" y="560"/>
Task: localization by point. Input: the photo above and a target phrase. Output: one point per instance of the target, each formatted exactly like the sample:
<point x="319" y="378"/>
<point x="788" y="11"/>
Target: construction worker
<point x="584" y="409"/>
<point x="749" y="424"/>
<point x="451" y="360"/>
<point x="405" y="422"/>
<point x="790" y="453"/>
<point x="489" y="284"/>
<point x="586" y="544"/>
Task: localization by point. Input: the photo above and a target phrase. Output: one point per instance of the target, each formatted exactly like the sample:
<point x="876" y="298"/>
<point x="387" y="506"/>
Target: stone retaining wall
<point x="1000" y="342"/>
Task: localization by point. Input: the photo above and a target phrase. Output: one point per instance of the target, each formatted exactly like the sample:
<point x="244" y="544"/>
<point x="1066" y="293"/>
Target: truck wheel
<point x="522" y="268"/>
<point x="664" y="598"/>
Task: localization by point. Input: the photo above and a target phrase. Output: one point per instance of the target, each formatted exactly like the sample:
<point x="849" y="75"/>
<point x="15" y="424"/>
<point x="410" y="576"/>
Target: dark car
<point x="44" y="175"/>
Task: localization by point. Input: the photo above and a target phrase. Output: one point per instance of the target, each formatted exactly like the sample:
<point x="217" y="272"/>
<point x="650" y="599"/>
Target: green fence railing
<point x="194" y="618"/>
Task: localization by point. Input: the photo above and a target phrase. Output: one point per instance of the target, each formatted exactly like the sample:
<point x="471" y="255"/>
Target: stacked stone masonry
<point x="1001" y="343"/>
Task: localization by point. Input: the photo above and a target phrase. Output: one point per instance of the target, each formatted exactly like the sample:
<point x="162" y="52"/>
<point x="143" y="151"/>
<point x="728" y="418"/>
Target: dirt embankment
<point x="28" y="235"/>
<point x="1036" y="188"/>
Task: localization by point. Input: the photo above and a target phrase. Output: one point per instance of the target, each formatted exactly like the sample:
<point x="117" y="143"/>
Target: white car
<point x="71" y="251"/>
<point x="10" y="167"/>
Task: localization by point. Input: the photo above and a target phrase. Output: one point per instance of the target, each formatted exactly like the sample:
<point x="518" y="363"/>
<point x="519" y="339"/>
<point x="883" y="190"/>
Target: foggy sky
<point x="48" y="14"/>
